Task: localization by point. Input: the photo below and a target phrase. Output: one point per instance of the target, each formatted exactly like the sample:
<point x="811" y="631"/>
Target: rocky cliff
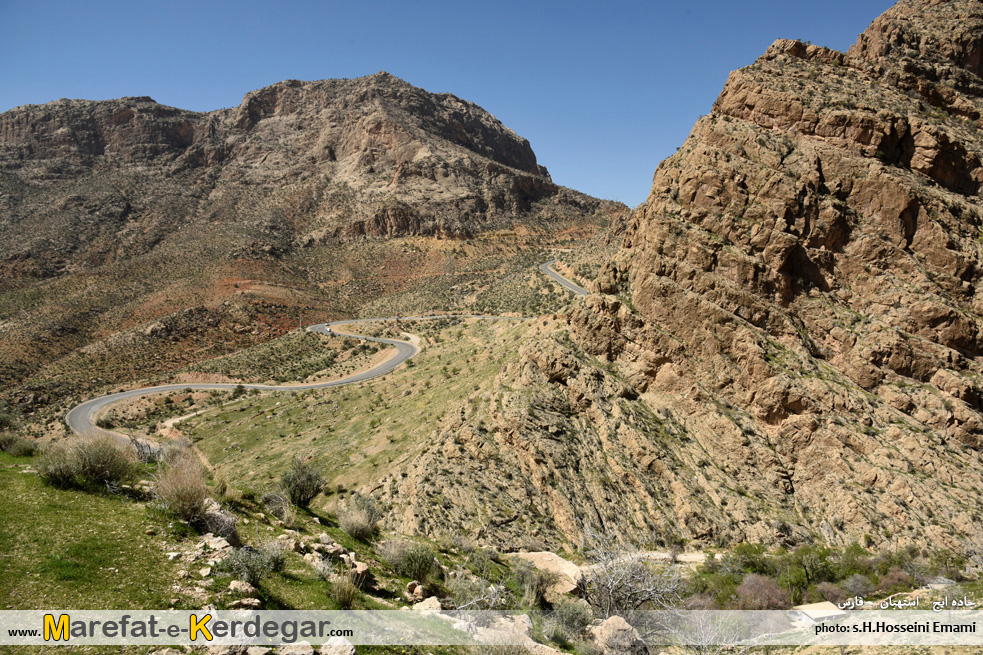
<point x="787" y="346"/>
<point x="295" y="164"/>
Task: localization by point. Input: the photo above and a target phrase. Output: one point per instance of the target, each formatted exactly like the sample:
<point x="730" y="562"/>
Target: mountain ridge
<point x="792" y="316"/>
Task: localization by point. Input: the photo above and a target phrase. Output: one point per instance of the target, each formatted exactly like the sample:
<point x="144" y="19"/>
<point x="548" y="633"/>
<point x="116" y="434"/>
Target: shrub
<point x="359" y="516"/>
<point x="8" y="421"/>
<point x="895" y="581"/>
<point x="103" y="460"/>
<point x="758" y="592"/>
<point x="88" y="461"/>
<point x="831" y="592"/>
<point x="572" y="616"/>
<point x="253" y="564"/>
<point x="535" y="583"/>
<point x="227" y="492"/>
<point x="180" y="487"/>
<point x="857" y="585"/>
<point x="57" y="466"/>
<point x="17" y="446"/>
<point x="277" y="504"/>
<point x="343" y="584"/>
<point x="273" y="553"/>
<point x="410" y="560"/>
<point x="301" y="483"/>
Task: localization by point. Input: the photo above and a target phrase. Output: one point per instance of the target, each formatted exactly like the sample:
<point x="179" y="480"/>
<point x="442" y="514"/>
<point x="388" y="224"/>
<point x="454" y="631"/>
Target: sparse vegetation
<point x="359" y="516"/>
<point x="88" y="462"/>
<point x="411" y="560"/>
<point x="301" y="483"/>
<point x="252" y="564"/>
<point x="180" y="487"/>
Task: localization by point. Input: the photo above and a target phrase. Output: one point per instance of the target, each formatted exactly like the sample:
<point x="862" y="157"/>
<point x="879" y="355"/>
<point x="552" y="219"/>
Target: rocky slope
<point x="114" y="214"/>
<point x="296" y="163"/>
<point x="786" y="348"/>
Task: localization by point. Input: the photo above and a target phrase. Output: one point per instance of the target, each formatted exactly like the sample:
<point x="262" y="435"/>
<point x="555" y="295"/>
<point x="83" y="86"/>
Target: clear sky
<point x="602" y="90"/>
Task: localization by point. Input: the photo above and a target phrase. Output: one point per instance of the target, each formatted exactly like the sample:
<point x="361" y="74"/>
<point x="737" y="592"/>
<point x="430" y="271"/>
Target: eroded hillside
<point x="786" y="348"/>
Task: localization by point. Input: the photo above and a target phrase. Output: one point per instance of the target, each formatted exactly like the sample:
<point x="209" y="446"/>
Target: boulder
<point x="296" y="649"/>
<point x="337" y="646"/>
<point x="614" y="636"/>
<point x="430" y="604"/>
<point x="241" y="587"/>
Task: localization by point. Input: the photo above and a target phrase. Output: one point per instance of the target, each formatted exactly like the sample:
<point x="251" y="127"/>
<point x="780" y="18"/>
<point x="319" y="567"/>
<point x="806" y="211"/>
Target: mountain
<point x="299" y="163"/>
<point x="786" y="348"/>
<point x="308" y="199"/>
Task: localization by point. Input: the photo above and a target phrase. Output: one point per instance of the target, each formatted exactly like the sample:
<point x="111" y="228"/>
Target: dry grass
<point x="360" y="517"/>
<point x="88" y="461"/>
<point x="180" y="487"/>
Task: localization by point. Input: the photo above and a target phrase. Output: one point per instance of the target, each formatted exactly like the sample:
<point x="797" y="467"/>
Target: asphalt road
<point x="562" y="281"/>
<point x="81" y="419"/>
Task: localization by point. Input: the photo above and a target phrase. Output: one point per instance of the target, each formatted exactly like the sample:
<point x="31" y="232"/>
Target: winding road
<point x="562" y="281"/>
<point x="81" y="419"/>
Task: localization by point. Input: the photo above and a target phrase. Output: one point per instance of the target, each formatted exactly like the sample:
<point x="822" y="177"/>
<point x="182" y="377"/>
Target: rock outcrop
<point x="787" y="347"/>
<point x="295" y="164"/>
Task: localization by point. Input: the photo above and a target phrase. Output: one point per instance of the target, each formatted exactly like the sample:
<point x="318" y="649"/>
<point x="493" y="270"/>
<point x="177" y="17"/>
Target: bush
<point x="359" y="516"/>
<point x="895" y="581"/>
<point x="572" y="616"/>
<point x="103" y="460"/>
<point x="830" y="592"/>
<point x="273" y="553"/>
<point x="226" y="491"/>
<point x="758" y="592"/>
<point x="343" y="584"/>
<point x="857" y="585"/>
<point x="17" y="446"/>
<point x="301" y="483"/>
<point x="253" y="564"/>
<point x="275" y="503"/>
<point x="8" y="421"/>
<point x="180" y="487"/>
<point x="410" y="560"/>
<point x="57" y="466"/>
<point x="88" y="461"/>
<point x="535" y="583"/>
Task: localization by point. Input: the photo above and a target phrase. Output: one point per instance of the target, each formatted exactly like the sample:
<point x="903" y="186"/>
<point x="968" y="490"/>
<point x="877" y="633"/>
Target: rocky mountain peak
<point x="932" y="31"/>
<point x="787" y="347"/>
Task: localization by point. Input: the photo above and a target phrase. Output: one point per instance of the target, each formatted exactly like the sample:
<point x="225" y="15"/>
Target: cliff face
<point x="787" y="346"/>
<point x="296" y="164"/>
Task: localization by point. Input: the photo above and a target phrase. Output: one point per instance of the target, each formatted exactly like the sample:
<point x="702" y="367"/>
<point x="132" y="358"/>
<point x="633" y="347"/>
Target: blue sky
<point x="603" y="91"/>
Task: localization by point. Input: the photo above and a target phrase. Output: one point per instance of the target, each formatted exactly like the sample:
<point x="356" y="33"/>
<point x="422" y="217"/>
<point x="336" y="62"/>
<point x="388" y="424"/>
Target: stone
<point x="337" y="646"/>
<point x="296" y="649"/>
<point x="242" y="587"/>
<point x="430" y="604"/>
<point x="614" y="636"/>
<point x="246" y="604"/>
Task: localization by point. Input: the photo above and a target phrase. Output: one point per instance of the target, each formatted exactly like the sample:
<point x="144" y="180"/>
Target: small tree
<point x="759" y="592"/>
<point x="301" y="483"/>
<point x="622" y="580"/>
